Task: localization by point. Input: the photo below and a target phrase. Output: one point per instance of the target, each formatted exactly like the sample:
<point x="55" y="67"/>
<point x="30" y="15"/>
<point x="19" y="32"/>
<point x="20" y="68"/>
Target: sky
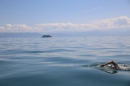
<point x="50" y="16"/>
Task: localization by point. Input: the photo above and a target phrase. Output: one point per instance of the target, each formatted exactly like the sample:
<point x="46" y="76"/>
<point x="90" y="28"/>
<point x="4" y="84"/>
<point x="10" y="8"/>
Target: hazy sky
<point x="63" y="15"/>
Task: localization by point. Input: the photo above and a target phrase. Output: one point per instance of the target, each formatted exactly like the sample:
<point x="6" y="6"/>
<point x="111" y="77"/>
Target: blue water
<point x="63" y="61"/>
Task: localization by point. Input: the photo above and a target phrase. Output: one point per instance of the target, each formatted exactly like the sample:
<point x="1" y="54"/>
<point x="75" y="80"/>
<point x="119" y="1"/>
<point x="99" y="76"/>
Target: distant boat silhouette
<point x="46" y="36"/>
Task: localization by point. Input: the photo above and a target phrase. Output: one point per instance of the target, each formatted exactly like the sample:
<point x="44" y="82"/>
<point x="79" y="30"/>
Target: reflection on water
<point x="63" y="61"/>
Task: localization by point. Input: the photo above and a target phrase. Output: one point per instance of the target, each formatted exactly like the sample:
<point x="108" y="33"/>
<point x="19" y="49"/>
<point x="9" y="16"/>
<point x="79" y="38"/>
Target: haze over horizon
<point x="65" y="16"/>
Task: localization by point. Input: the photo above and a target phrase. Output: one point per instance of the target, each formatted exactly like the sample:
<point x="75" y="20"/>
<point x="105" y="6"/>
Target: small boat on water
<point x="46" y="36"/>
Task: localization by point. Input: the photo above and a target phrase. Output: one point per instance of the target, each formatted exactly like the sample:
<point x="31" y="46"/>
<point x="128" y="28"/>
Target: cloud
<point x="112" y="23"/>
<point x="8" y="25"/>
<point x="60" y="27"/>
<point x="2" y="29"/>
<point x="16" y="28"/>
<point x="120" y="22"/>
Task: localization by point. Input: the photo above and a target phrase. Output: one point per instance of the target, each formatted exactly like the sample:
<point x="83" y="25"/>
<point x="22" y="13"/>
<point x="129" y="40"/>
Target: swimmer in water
<point x="114" y="65"/>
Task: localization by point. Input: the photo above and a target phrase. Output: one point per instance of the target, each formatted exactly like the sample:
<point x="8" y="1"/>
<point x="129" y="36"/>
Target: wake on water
<point x="108" y="69"/>
<point x="122" y="66"/>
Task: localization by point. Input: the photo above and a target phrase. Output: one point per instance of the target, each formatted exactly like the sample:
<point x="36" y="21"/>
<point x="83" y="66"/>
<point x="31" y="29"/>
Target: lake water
<point x="63" y="61"/>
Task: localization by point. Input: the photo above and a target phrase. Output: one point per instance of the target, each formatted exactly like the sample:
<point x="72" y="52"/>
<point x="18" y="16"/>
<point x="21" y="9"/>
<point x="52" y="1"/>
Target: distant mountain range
<point x="7" y="35"/>
<point x="70" y="34"/>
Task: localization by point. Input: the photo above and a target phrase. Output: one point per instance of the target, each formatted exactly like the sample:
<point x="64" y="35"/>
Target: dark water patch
<point x="35" y="51"/>
<point x="115" y="57"/>
<point x="105" y="48"/>
<point x="98" y="78"/>
<point x="11" y="52"/>
<point x="52" y="77"/>
<point x="87" y="55"/>
<point x="26" y="81"/>
<point x="75" y="47"/>
<point x="51" y="51"/>
<point x="120" y="56"/>
<point x="7" y="61"/>
<point x="115" y="50"/>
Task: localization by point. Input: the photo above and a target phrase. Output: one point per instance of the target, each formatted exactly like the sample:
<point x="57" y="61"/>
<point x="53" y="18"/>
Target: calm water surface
<point x="63" y="61"/>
